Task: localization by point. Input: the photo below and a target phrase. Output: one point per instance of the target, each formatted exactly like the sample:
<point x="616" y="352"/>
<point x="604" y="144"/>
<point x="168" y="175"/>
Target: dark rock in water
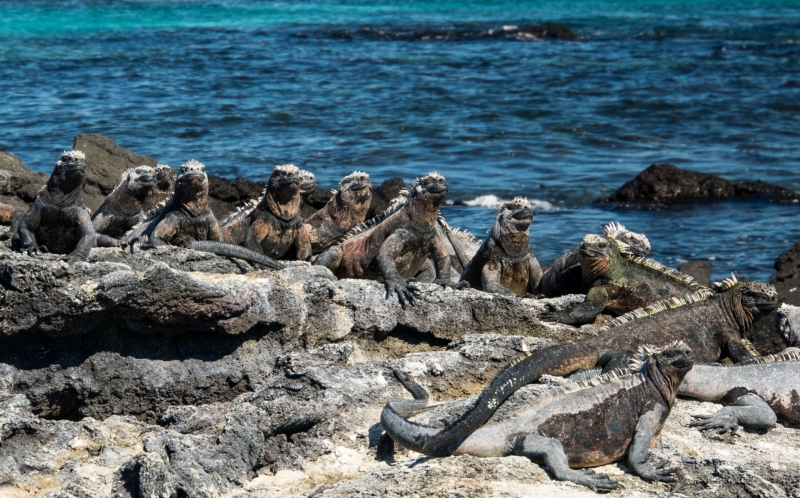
<point x="105" y="163"/>
<point x="19" y="186"/>
<point x="226" y="196"/>
<point x="318" y="198"/>
<point x="383" y="195"/>
<point x="662" y="184"/>
<point x="458" y="32"/>
<point x="786" y="278"/>
<point x="698" y="270"/>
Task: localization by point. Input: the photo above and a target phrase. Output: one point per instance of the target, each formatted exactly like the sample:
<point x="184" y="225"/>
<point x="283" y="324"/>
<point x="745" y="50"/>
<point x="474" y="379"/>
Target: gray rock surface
<point x="698" y="270"/>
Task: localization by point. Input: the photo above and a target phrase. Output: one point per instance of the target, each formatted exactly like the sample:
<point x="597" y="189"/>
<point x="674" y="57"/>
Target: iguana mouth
<point x="357" y="187"/>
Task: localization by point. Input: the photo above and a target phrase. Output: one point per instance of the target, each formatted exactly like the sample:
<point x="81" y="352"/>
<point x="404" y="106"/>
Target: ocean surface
<point x="404" y="88"/>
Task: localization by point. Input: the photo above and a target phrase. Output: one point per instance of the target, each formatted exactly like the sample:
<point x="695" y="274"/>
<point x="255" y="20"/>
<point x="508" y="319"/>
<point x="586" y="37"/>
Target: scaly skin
<point x="186" y="216"/>
<point x="399" y="246"/>
<point x="274" y="226"/>
<point x="564" y="276"/>
<point x="505" y="264"/>
<point x="162" y="190"/>
<point x="712" y="327"/>
<point x="123" y="208"/>
<point x="58" y="221"/>
<point x="346" y="209"/>
<point x="592" y="424"/>
<point x="617" y="284"/>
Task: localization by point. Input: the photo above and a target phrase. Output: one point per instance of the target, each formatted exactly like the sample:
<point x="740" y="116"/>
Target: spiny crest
<point x="71" y="154"/>
<point x="190" y="165"/>
<point x="515" y="204"/>
<point x="394" y="206"/>
<point x="355" y="175"/>
<point x="242" y="211"/>
<point x="673" y="302"/>
<point x="642" y="357"/>
<point x="665" y="270"/>
<point x="458" y="232"/>
<point x="725" y="284"/>
<point x="288" y="168"/>
<point x="614" y="229"/>
<point x="123" y="178"/>
<point x="433" y="175"/>
<point x="771" y="358"/>
<point x="588" y="383"/>
<point x="760" y="287"/>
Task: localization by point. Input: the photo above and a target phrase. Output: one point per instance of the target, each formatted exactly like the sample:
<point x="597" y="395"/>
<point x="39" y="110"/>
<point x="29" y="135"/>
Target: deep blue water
<point x="400" y="89"/>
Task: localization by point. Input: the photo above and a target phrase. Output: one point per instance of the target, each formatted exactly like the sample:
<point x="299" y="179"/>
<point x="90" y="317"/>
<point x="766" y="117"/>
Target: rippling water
<point x="401" y="89"/>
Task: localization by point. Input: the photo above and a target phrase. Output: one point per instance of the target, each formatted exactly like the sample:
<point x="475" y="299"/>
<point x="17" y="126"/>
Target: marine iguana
<point x="397" y="248"/>
<point x="162" y="189"/>
<point x="185" y="220"/>
<point x="123" y="208"/>
<point x="346" y="209"/>
<point x="58" y="221"/>
<point x="272" y="224"/>
<point x="505" y="264"/>
<point x="712" y="324"/>
<point x="590" y="424"/>
<point x="564" y="276"/>
<point x="308" y="182"/>
<point x="618" y="282"/>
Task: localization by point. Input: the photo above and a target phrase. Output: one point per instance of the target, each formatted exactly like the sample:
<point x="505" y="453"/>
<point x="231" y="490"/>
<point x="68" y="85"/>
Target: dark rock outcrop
<point x="19" y="186"/>
<point x="662" y="184"/>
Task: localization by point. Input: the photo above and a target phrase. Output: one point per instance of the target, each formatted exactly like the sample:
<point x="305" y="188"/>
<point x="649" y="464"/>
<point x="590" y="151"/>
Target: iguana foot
<point x="588" y="478"/>
<point x="724" y="420"/>
<point x="405" y="291"/>
<point x="558" y="317"/>
<point x="446" y="282"/>
<point x="656" y="472"/>
<point x="72" y="258"/>
<point x="34" y="249"/>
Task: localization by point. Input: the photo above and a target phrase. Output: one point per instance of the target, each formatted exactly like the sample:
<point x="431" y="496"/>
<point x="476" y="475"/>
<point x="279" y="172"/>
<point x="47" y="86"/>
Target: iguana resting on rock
<point x="787" y="323"/>
<point x="123" y="208"/>
<point x="272" y="224"/>
<point x="308" y="182"/>
<point x="347" y="208"/>
<point x="8" y="213"/>
<point x="398" y="247"/>
<point x="618" y="282"/>
<point x="162" y="189"/>
<point x="712" y="324"/>
<point x="505" y="264"/>
<point x="58" y="221"/>
<point x="186" y="220"/>
<point x="564" y="276"/>
<point x="590" y="424"/>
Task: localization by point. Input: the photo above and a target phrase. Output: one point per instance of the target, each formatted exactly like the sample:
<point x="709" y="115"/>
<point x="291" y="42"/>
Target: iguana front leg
<point x="28" y="226"/>
<point x="646" y="429"/>
<point x="581" y="313"/>
<point x="441" y="260"/>
<point x="83" y="224"/>
<point x="101" y="222"/>
<point x="534" y="274"/>
<point x="387" y="256"/>
<point x="165" y="231"/>
<point x="749" y="411"/>
<point x="737" y="351"/>
<point x="302" y="243"/>
<point x="550" y="452"/>
<point x="490" y="279"/>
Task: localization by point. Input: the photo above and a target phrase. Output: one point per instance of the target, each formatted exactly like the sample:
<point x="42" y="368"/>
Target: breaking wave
<point x="492" y="201"/>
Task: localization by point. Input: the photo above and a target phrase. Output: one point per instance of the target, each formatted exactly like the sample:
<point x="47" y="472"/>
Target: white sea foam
<point x="492" y="201"/>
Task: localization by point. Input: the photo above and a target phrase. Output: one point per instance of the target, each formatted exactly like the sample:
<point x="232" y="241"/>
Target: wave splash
<point x="491" y="201"/>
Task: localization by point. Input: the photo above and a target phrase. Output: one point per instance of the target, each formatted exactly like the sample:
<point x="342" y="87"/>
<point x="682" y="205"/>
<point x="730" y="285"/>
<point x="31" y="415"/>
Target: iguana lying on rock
<point x="58" y="221"/>
<point x="162" y="189"/>
<point x="712" y="324"/>
<point x="186" y="220"/>
<point x="397" y="247"/>
<point x="347" y="208"/>
<point x="272" y="224"/>
<point x="591" y="424"/>
<point x="618" y="282"/>
<point x="308" y="182"/>
<point x="505" y="264"/>
<point x="123" y="208"/>
<point x="564" y="276"/>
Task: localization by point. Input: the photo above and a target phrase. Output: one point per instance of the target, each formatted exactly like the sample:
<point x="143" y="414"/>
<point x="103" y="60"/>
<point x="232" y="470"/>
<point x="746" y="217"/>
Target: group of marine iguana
<point x="623" y="382"/>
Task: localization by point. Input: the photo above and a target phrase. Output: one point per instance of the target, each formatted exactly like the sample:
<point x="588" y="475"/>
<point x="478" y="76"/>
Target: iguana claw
<point x="724" y="420"/>
<point x="405" y="291"/>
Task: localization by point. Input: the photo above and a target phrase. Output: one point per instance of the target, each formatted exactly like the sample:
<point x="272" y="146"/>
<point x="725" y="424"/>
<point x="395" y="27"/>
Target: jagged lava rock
<point x="18" y="184"/>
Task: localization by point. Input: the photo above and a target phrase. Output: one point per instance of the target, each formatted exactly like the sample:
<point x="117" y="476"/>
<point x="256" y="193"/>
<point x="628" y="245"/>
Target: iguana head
<point x="355" y="188"/>
<point x="284" y="182"/>
<point x="511" y="225"/>
<point x="759" y="298"/>
<point x="635" y="243"/>
<point x="69" y="173"/>
<point x="595" y="256"/>
<point x="141" y="179"/>
<point x="787" y="322"/>
<point x="163" y="176"/>
<point x="191" y="187"/>
<point x="308" y="182"/>
<point x="427" y="193"/>
<point x="666" y="367"/>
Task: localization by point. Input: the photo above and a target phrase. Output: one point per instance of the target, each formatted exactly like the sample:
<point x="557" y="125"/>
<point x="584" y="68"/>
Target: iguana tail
<point x="555" y="360"/>
<point x="232" y="251"/>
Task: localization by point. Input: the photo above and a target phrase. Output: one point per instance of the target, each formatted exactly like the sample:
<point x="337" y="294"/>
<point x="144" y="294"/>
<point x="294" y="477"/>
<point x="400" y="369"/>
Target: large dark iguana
<point x="58" y="221"/>
<point x="505" y="264"/>
<point x="162" y="189"/>
<point x="618" y="282"/>
<point x="272" y="224"/>
<point x="712" y="324"/>
<point x="397" y="247"/>
<point x="564" y="276"/>
<point x="346" y="209"/>
<point x="589" y="424"/>
<point x="123" y="208"/>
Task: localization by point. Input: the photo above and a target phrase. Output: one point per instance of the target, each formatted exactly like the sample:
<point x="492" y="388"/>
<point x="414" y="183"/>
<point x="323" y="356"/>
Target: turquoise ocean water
<point x="400" y="89"/>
